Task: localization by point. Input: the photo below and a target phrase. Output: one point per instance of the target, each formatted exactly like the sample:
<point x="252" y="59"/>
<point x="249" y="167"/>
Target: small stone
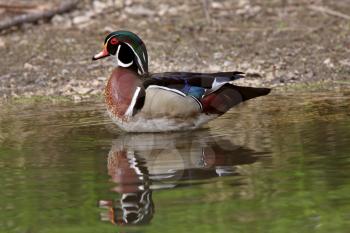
<point x="345" y="62"/>
<point x="217" y="5"/>
<point x="328" y="62"/>
<point x="29" y="66"/>
<point x="101" y="78"/>
<point x="128" y="2"/>
<point x="214" y="68"/>
<point x="218" y="55"/>
<point x="61" y="21"/>
<point x="248" y="11"/>
<point x="116" y="3"/>
<point x="95" y="83"/>
<point x="82" y="90"/>
<point x="242" y="3"/>
<point x="76" y="98"/>
<point x="64" y="72"/>
<point x="99" y="6"/>
<point x="139" y="10"/>
<point x="173" y="11"/>
<point x="228" y="63"/>
<point x="57" y="19"/>
<point x="163" y="9"/>
<point x="290" y="75"/>
<point x="81" y="19"/>
<point x="310" y="75"/>
<point x="245" y="65"/>
<point x="2" y="43"/>
<point x="95" y="92"/>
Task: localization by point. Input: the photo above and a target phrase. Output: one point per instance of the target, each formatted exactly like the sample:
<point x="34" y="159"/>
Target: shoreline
<point x="284" y="47"/>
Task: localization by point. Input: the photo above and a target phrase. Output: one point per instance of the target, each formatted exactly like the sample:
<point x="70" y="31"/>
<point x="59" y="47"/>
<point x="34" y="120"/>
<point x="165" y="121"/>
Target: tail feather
<point x="229" y="95"/>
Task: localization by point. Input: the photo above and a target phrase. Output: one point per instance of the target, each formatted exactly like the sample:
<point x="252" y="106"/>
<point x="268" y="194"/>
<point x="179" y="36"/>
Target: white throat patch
<point x="120" y="63"/>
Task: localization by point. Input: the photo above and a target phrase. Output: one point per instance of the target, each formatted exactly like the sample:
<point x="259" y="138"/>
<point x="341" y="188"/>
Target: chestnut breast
<point x="120" y="90"/>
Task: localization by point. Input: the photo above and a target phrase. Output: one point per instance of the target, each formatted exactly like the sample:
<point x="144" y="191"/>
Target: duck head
<point x="128" y="49"/>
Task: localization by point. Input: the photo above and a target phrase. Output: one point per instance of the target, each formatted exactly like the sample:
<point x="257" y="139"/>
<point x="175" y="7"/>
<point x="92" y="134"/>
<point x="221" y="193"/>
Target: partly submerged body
<point x="172" y="101"/>
<point x="138" y="101"/>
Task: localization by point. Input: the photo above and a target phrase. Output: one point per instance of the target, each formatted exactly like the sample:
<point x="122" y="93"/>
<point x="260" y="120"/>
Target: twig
<point x="265" y="29"/>
<point x="19" y="8"/>
<point x="206" y="10"/>
<point x="36" y="16"/>
<point x="342" y="82"/>
<point x="329" y="11"/>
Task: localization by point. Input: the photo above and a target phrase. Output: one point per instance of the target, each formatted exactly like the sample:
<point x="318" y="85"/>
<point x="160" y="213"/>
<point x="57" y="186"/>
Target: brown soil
<point x="277" y="43"/>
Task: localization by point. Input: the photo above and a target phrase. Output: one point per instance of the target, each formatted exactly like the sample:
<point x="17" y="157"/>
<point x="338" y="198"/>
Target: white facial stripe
<point x="138" y="58"/>
<point x="129" y="64"/>
<point x="120" y="63"/>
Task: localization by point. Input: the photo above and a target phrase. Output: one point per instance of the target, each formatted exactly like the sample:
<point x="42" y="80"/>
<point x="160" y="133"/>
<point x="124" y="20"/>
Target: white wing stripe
<point x="168" y="89"/>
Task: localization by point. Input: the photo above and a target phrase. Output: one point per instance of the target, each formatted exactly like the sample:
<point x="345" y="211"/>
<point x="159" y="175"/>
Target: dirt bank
<point x="277" y="43"/>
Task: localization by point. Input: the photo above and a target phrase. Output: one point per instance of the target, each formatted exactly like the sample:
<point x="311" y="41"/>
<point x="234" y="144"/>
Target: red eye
<point x="114" y="41"/>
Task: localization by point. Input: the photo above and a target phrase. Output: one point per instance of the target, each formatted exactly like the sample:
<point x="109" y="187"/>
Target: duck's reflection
<point x="142" y="163"/>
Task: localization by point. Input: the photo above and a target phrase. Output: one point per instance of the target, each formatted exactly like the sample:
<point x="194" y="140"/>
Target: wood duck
<point x="139" y="101"/>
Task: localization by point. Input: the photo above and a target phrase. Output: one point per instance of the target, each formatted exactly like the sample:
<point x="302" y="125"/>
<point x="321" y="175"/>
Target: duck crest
<point x="122" y="90"/>
<point x="136" y="45"/>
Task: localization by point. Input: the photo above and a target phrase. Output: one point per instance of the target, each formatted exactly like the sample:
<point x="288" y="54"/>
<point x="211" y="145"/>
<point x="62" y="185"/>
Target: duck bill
<point x="102" y="54"/>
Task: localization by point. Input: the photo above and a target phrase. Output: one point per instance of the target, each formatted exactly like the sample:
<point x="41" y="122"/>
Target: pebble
<point x="290" y="75"/>
<point x="218" y="55"/>
<point x="101" y="78"/>
<point x="248" y="11"/>
<point x="95" y="83"/>
<point x="2" y="43"/>
<point x="310" y="75"/>
<point x="117" y="3"/>
<point x="58" y="19"/>
<point x="328" y="62"/>
<point x="61" y="21"/>
<point x="139" y="10"/>
<point x="64" y="72"/>
<point x="242" y="3"/>
<point x="214" y="68"/>
<point x="163" y="9"/>
<point x="345" y="62"/>
<point x="227" y="63"/>
<point x="82" y="90"/>
<point x="99" y="6"/>
<point x="128" y="2"/>
<point x="76" y="98"/>
<point x="29" y="66"/>
<point x="217" y="5"/>
<point x="82" y="19"/>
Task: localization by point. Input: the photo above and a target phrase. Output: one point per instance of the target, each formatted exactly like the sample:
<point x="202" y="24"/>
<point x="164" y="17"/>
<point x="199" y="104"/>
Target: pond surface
<point x="275" y="164"/>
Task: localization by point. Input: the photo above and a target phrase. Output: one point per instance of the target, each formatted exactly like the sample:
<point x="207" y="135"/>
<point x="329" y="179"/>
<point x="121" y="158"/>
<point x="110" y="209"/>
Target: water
<point x="275" y="164"/>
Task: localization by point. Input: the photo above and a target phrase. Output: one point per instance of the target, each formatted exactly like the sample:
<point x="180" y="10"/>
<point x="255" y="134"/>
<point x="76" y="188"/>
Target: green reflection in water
<point x="279" y="164"/>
